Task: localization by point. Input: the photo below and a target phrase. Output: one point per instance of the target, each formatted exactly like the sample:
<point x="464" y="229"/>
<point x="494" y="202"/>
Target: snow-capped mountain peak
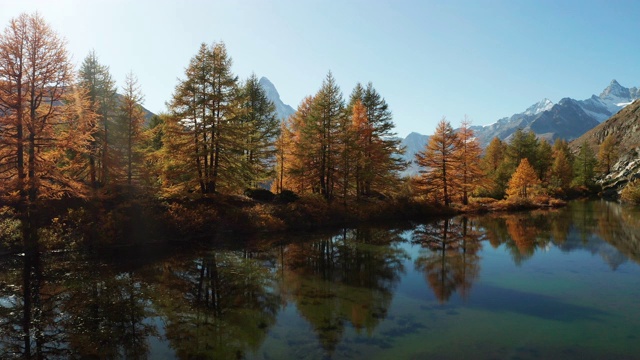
<point x="543" y="105"/>
<point x="615" y="90"/>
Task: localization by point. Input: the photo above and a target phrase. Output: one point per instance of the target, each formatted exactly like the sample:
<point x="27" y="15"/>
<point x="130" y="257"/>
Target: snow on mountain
<point x="612" y="99"/>
<point x="283" y="110"/>
<point x="539" y="107"/>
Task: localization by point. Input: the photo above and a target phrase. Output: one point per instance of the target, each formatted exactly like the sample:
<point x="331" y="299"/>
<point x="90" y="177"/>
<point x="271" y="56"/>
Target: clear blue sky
<point x="485" y="59"/>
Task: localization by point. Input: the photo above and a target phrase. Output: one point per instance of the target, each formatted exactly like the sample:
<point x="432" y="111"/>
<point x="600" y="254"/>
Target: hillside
<point x="625" y="126"/>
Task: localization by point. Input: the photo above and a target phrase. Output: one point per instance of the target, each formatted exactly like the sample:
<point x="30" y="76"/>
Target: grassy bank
<point x="122" y="220"/>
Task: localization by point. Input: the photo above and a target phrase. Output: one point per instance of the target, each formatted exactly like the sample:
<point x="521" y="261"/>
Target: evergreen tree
<point x="205" y="106"/>
<point x="584" y="166"/>
<point x="561" y="172"/>
<point x="438" y="162"/>
<point x="382" y="161"/>
<point x="130" y="122"/>
<point x="261" y="128"/>
<point x="523" y="144"/>
<point x="328" y="114"/>
<point x="496" y="168"/>
<point x="544" y="159"/>
<point x="101" y="88"/>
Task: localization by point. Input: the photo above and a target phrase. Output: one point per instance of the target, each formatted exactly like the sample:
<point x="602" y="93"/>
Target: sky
<point x="483" y="59"/>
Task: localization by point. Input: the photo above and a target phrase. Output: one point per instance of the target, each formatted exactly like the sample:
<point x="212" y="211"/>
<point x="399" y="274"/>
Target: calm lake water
<point x="561" y="284"/>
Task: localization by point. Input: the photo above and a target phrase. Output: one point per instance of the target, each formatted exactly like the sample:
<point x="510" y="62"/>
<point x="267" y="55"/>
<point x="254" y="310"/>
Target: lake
<point x="558" y="284"/>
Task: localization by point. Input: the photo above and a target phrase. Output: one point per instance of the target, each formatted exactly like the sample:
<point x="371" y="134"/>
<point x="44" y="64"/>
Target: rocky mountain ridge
<point x="625" y="126"/>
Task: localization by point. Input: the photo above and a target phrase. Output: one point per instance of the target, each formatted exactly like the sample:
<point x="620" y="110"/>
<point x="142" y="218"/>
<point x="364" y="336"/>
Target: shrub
<point x="286" y="197"/>
<point x="263" y="195"/>
<point x="631" y="192"/>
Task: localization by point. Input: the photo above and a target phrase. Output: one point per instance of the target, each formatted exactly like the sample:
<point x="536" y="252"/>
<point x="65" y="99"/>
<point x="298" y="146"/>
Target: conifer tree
<point x="205" y="106"/>
<point x="42" y="116"/>
<point x="561" y="171"/>
<point x="468" y="173"/>
<point x="300" y="149"/>
<point x="438" y="162"/>
<point x="496" y="169"/>
<point x="96" y="79"/>
<point x="382" y="161"/>
<point x="522" y="182"/>
<point x="358" y="148"/>
<point x="584" y="166"/>
<point x="328" y="114"/>
<point x="523" y="144"/>
<point x="607" y="153"/>
<point x="130" y="123"/>
<point x="544" y="159"/>
<point x="261" y="128"/>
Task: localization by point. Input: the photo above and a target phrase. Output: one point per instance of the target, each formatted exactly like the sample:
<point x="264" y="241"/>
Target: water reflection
<point x="449" y="258"/>
<point x="218" y="305"/>
<point x="342" y="279"/>
<point x="229" y="303"/>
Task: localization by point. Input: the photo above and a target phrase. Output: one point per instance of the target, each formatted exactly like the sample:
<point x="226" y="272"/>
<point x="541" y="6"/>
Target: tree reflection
<point x="59" y="305"/>
<point x="521" y="234"/>
<point x="450" y="258"/>
<point x="343" y="279"/>
<point x="30" y="315"/>
<point x="218" y="306"/>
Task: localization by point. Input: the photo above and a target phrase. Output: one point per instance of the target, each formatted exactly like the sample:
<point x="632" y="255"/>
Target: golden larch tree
<point x="468" y="173"/>
<point x="36" y="125"/>
<point x="523" y="180"/>
<point x="607" y="153"/>
<point x="438" y="161"/>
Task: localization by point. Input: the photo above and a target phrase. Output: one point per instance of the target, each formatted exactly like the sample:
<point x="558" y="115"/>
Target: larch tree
<point x="383" y="155"/>
<point x="130" y="122"/>
<point x="101" y="88"/>
<point x="438" y="161"/>
<point x="523" y="180"/>
<point x="607" y="153"/>
<point x="496" y="167"/>
<point x="544" y="160"/>
<point x="561" y="171"/>
<point x="468" y="173"/>
<point x="205" y="106"/>
<point x="261" y="127"/>
<point x="300" y="150"/>
<point x="36" y="126"/>
<point x="360" y="146"/>
<point x="327" y="114"/>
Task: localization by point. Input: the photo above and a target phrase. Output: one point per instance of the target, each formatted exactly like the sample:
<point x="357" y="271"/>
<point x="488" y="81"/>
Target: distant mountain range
<point x="283" y="110"/>
<point x="568" y="119"/>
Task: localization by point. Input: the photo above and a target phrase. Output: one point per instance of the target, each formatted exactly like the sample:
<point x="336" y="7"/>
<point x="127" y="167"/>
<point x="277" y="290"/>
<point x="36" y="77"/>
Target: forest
<point x="78" y="151"/>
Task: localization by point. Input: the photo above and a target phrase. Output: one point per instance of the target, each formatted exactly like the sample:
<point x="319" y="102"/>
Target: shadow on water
<point x="497" y="299"/>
